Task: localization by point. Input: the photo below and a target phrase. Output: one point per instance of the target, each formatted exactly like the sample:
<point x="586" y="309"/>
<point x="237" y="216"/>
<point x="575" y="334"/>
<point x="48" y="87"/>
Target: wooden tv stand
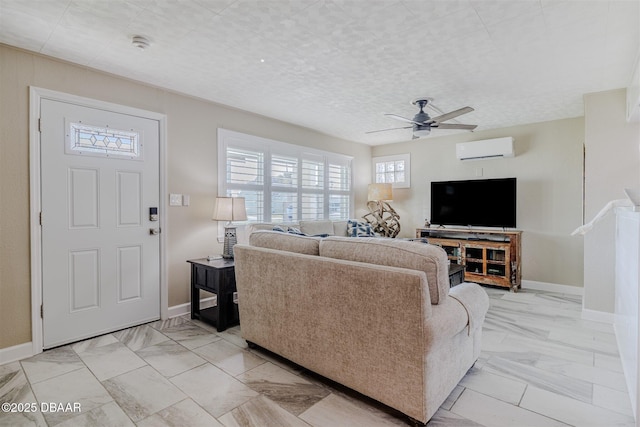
<point x="491" y="257"/>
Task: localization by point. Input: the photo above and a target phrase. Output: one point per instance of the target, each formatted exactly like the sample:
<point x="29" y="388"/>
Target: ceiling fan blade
<point x="452" y="114"/>
<point x="453" y="126"/>
<point x="402" y="119"/>
<point x="384" y="130"/>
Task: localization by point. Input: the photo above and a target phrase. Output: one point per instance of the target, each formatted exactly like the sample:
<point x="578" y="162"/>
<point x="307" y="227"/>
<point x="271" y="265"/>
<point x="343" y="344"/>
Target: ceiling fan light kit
<point x="422" y="123"/>
<point x="420" y="131"/>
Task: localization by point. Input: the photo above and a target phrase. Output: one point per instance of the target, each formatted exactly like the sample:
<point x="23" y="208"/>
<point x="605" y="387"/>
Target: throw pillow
<point x="357" y="228"/>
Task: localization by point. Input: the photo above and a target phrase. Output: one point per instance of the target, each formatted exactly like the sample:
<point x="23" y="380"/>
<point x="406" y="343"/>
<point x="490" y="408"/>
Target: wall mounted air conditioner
<point x="485" y="149"/>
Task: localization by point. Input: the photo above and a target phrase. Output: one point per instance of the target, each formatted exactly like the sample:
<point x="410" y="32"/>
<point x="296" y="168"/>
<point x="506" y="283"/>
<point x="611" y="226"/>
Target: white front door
<point x="100" y="260"/>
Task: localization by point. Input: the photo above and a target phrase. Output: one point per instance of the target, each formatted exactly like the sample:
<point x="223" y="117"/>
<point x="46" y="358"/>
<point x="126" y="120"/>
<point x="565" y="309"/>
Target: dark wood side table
<point x="218" y="277"/>
<point x="456" y="274"/>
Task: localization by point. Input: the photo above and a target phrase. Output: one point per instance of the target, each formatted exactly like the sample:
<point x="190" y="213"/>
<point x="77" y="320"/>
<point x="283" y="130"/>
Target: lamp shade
<point x="379" y="192"/>
<point x="229" y="209"/>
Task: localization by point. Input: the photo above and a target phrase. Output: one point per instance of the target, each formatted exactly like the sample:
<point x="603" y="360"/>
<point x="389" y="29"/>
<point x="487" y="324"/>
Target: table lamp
<point x="229" y="209"/>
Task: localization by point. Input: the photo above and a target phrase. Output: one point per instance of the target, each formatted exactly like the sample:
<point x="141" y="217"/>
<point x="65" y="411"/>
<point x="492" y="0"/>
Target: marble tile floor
<point x="541" y="365"/>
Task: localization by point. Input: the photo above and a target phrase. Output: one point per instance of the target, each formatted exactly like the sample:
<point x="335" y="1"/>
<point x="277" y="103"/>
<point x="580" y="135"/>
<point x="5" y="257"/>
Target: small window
<point x="103" y="141"/>
<point x="394" y="170"/>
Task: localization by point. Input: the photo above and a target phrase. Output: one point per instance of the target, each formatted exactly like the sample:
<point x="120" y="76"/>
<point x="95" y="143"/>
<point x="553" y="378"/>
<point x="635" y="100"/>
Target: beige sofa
<point x="373" y="314"/>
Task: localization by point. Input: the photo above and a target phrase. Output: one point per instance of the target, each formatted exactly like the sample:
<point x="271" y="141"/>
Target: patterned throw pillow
<point x="278" y="228"/>
<point x="357" y="228"/>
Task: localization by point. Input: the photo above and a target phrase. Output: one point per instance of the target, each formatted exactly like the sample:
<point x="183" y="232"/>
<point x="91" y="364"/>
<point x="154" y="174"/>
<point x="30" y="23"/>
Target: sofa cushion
<point x="340" y="228"/>
<point x="312" y="228"/>
<point x="285" y="242"/>
<point x="395" y="253"/>
<point x="290" y="230"/>
<point x="256" y="226"/>
<point x="279" y="228"/>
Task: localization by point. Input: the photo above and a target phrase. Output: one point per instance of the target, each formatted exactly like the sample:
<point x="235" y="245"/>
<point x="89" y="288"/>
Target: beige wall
<point x="191" y="169"/>
<point x="612" y="163"/>
<point x="548" y="166"/>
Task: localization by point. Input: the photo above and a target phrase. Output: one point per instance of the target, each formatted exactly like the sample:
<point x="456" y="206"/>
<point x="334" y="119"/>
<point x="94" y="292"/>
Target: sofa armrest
<point x="475" y="301"/>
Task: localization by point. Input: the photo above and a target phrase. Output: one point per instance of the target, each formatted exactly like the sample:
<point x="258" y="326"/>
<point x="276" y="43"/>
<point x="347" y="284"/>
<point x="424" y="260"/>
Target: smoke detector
<point x="140" y="42"/>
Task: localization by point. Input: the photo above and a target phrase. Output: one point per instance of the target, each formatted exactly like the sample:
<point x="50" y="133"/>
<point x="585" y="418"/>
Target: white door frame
<point x="36" y="94"/>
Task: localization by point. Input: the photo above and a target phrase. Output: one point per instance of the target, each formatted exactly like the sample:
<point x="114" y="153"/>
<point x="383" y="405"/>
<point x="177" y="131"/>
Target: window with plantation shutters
<point x="283" y="182"/>
<point x="339" y="183"/>
<point x="244" y="177"/>
<point x="312" y="187"/>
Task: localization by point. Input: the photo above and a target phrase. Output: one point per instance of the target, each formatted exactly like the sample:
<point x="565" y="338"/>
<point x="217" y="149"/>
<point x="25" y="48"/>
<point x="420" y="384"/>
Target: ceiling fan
<point x="422" y="123"/>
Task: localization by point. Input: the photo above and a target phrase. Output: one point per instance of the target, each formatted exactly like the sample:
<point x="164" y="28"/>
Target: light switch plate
<point x="186" y="200"/>
<point x="175" y="199"/>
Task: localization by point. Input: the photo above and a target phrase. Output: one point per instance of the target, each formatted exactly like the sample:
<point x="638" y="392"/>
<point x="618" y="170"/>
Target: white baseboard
<point x="17" y="352"/>
<point x="182" y="309"/>
<point x="552" y="287"/>
<point x="598" y="316"/>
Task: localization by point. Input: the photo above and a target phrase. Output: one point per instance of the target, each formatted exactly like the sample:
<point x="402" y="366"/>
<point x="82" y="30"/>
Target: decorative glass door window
<point x="103" y="141"/>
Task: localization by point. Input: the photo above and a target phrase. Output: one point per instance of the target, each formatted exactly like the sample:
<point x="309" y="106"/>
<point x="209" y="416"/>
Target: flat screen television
<point x="479" y="202"/>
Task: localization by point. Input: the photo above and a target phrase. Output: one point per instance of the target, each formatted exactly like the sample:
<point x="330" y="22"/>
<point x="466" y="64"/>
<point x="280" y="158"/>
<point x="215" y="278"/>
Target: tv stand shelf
<point x="490" y="257"/>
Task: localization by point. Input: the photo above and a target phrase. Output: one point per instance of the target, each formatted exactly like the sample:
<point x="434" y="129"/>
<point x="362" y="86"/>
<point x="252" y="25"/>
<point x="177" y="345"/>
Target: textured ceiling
<point x="337" y="66"/>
